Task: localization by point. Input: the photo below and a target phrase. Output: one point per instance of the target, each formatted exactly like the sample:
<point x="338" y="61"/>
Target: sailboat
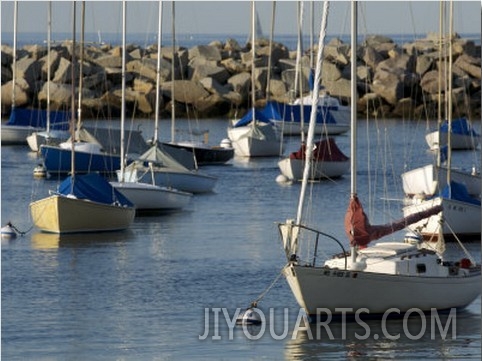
<point x="254" y="135"/>
<point x="86" y="203"/>
<point x="25" y="121"/>
<point x="163" y="167"/>
<point x="144" y="196"/>
<point x="461" y="214"/>
<point x="203" y="153"/>
<point x="462" y="134"/>
<point x="370" y="278"/>
<point x="55" y="132"/>
<point x="328" y="161"/>
<point x="332" y="118"/>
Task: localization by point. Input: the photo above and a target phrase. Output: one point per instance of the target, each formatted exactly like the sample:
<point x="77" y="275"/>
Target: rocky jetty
<point x="214" y="80"/>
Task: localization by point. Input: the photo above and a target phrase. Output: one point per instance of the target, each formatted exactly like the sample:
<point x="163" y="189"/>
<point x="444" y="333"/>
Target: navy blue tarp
<point x="94" y="187"/>
<point x="292" y="113"/>
<point x="248" y="118"/>
<point x="459" y="126"/>
<point x="59" y="120"/>
<point x="458" y="192"/>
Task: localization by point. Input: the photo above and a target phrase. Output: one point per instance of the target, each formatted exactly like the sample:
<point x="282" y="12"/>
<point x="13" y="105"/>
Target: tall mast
<point x="353" y="101"/>
<point x="314" y="101"/>
<point x="173" y="105"/>
<point x="72" y="98"/>
<point x="123" y="102"/>
<point x="158" y="75"/>
<point x="49" y="32"/>
<point x="253" y="53"/>
<point x="14" y="66"/>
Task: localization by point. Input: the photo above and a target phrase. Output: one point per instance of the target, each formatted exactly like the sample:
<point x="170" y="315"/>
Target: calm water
<point x="142" y="294"/>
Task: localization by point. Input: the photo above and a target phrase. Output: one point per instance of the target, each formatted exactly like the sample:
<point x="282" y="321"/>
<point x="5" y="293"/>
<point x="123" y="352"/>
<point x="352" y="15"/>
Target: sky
<point x="232" y="17"/>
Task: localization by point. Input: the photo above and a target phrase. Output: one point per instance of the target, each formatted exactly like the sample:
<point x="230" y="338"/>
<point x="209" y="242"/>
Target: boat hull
<point x="293" y="169"/>
<point x="259" y="141"/>
<point x="148" y="197"/>
<point x="62" y="214"/>
<point x="16" y="134"/>
<point x="457" y="141"/>
<point x="316" y="287"/>
<point x="186" y="181"/>
<point x="460" y="218"/>
<point x="205" y="154"/>
<point x="425" y="180"/>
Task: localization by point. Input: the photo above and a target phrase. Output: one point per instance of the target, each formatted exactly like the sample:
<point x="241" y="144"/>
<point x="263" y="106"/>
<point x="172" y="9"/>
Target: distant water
<point x="142" y="294"/>
<point x="190" y="40"/>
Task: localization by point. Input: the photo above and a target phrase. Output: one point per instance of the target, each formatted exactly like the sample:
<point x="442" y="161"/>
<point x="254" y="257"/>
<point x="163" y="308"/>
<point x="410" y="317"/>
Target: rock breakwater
<point x="214" y="80"/>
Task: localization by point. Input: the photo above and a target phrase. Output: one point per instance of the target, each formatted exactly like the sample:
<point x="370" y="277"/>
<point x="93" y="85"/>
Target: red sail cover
<point x="324" y="150"/>
<point x="360" y="232"/>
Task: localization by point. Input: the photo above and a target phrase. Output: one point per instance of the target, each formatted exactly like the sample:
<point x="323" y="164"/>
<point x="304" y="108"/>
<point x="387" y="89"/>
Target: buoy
<point x="8" y="232"/>
<point x="283" y="179"/>
<point x="39" y="171"/>
<point x="225" y="143"/>
<point x="250" y="316"/>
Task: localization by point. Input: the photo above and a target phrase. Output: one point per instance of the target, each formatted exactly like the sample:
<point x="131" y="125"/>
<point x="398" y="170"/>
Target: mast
<point x="81" y="66"/>
<point x="353" y="124"/>
<point x="271" y="38"/>
<point x="314" y="101"/>
<point x="49" y="33"/>
<point x="123" y="102"/>
<point x="353" y="110"/>
<point x="72" y="98"/>
<point x="173" y="105"/>
<point x="298" y="68"/>
<point x="158" y="75"/>
<point x="449" y="105"/>
<point x="253" y="53"/>
<point x="14" y="66"/>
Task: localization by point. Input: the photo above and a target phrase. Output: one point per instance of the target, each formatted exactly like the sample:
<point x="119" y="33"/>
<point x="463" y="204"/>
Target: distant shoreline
<point x="189" y="40"/>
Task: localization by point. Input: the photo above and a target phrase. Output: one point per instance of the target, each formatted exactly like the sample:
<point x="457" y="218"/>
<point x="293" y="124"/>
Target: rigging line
<point x="269" y="287"/>
<point x="460" y="243"/>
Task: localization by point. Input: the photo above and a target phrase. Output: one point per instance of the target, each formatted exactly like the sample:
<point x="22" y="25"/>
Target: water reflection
<point x="41" y="240"/>
<point x="390" y="339"/>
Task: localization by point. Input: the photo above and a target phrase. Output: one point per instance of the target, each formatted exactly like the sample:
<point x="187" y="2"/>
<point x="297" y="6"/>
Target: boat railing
<point x="317" y="234"/>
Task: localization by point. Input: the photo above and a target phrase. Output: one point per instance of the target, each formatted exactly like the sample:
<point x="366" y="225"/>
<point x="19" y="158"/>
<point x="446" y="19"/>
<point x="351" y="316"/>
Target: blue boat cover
<point x="458" y="192"/>
<point x="59" y="120"/>
<point x="248" y="118"/>
<point x="94" y="187"/>
<point x="292" y="113"/>
<point x="459" y="126"/>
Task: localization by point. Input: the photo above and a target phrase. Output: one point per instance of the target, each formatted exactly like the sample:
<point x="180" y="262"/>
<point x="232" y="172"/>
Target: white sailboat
<point x="85" y="203"/>
<point x="461" y="213"/>
<point x="160" y="167"/>
<point x="48" y="136"/>
<point x="202" y="152"/>
<point x="144" y="196"/>
<point x="328" y="161"/>
<point x="254" y="135"/>
<point x="374" y="278"/>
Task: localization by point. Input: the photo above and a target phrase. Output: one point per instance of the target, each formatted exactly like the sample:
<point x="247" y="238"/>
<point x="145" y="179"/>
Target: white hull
<point x="293" y="169"/>
<point x="36" y="139"/>
<point x="61" y="214"/>
<point x="186" y="181"/>
<point x="150" y="197"/>
<point x="15" y="134"/>
<point x="425" y="180"/>
<point x="263" y="141"/>
<point x="317" y="287"/>
<point x="460" y="218"/>
<point x="458" y="141"/>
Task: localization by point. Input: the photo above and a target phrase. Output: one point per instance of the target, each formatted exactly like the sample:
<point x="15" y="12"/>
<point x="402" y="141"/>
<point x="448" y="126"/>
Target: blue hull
<point x="58" y="161"/>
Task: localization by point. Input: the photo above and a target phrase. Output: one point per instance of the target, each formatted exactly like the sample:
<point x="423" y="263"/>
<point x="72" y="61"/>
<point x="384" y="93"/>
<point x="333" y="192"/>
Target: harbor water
<point x="169" y="287"/>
